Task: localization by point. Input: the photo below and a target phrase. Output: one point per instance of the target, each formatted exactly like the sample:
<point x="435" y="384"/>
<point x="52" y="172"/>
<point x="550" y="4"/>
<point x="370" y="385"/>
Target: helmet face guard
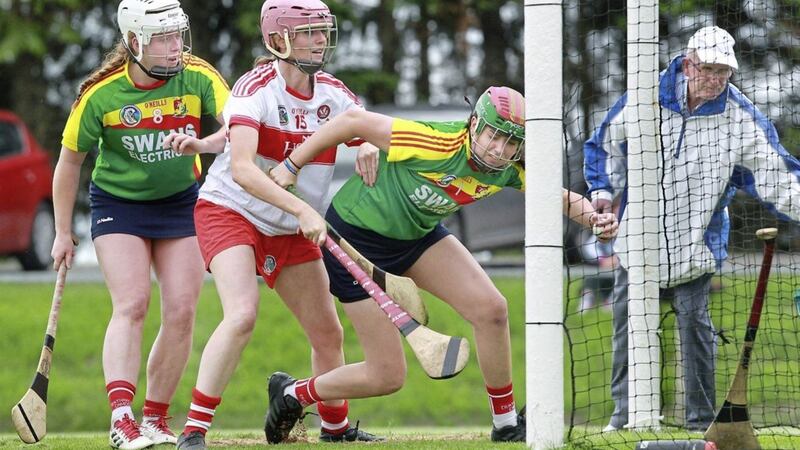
<point x="162" y="31"/>
<point x="290" y="19"/>
<point x="501" y="111"/>
<point x="163" y="41"/>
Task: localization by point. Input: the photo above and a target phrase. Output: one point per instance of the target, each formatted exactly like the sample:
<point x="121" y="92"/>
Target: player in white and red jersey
<point x="264" y="101"/>
<point x="246" y="222"/>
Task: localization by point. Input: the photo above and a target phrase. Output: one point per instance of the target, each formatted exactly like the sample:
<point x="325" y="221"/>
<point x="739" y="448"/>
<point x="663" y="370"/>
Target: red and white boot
<point x="126" y="435"/>
<point x="156" y="428"/>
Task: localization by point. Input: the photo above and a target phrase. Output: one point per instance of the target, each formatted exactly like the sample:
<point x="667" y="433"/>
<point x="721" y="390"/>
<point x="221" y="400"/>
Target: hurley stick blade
<point x="29" y="417"/>
<point x="733" y="436"/>
<point x="441" y="356"/>
<point x="767" y="233"/>
<point x="732" y="429"/>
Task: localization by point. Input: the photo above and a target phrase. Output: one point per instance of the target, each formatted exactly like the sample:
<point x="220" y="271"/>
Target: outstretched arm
<point x="768" y="171"/>
<point x="372" y="127"/>
<point x="579" y="209"/>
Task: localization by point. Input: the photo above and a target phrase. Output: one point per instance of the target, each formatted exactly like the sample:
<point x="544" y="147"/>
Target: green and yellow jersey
<point x="425" y="176"/>
<point x="129" y="124"/>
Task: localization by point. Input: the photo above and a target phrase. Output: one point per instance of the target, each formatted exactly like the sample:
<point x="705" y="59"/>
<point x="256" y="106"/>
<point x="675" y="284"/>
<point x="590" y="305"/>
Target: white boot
<point x="125" y="435"/>
<point x="156" y="428"/>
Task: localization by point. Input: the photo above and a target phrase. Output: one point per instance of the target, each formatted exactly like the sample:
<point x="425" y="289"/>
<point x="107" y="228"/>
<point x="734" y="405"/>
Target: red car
<point x="27" y="227"/>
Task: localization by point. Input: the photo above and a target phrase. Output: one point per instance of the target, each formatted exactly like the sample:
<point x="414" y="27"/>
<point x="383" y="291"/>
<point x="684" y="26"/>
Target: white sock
<point x="118" y="413"/>
<point x="290" y="390"/>
<point x="505" y="419"/>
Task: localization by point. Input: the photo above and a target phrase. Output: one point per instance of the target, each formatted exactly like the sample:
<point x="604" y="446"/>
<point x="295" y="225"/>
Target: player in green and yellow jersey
<point x="142" y="110"/>
<point x="428" y="170"/>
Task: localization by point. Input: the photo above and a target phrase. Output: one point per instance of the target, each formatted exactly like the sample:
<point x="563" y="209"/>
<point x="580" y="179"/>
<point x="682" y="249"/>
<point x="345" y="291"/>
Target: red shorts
<point x="220" y="228"/>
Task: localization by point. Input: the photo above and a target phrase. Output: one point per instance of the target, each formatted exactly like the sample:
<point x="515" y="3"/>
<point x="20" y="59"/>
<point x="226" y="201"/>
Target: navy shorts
<point x="166" y="218"/>
<point x="392" y="255"/>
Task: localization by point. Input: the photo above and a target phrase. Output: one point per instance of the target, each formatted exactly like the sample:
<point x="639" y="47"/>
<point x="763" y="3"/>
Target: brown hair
<point x="113" y="60"/>
<point x="263" y="59"/>
<point x="269" y="57"/>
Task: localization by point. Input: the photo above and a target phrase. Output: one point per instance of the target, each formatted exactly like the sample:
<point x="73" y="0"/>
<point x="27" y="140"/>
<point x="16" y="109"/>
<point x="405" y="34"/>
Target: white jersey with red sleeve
<point x="284" y="118"/>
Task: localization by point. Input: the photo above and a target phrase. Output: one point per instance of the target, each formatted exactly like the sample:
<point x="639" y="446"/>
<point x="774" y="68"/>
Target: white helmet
<point x="147" y="18"/>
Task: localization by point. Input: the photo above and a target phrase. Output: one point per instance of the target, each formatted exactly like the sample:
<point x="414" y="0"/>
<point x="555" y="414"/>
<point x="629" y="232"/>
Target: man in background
<point x="713" y="141"/>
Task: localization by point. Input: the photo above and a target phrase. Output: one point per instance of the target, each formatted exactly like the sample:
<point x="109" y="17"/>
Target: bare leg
<point x="125" y="262"/>
<point x="448" y="271"/>
<point x="304" y="289"/>
<point x="237" y="285"/>
<point x="383" y="370"/>
<point x="179" y="268"/>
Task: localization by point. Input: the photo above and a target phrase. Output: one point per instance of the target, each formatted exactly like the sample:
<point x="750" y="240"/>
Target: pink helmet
<point x="288" y="17"/>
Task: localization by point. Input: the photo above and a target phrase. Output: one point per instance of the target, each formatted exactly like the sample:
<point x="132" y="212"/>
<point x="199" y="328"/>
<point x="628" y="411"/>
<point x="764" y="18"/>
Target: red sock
<point x="305" y="391"/>
<point x="155" y="409"/>
<point x="501" y="399"/>
<point x="201" y="412"/>
<point x="334" y="418"/>
<point x="502" y="403"/>
<point x="120" y="393"/>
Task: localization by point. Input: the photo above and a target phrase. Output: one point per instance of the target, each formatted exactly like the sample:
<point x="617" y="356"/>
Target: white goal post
<point x="544" y="279"/>
<point x="641" y="218"/>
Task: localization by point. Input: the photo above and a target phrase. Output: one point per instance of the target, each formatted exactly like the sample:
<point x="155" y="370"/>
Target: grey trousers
<point x="698" y="350"/>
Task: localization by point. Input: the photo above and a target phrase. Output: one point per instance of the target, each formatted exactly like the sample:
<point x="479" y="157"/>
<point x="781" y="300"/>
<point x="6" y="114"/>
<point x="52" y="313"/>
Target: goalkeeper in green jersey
<point x="427" y="171"/>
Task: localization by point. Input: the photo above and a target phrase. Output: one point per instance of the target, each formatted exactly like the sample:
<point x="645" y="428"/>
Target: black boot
<point x="284" y="410"/>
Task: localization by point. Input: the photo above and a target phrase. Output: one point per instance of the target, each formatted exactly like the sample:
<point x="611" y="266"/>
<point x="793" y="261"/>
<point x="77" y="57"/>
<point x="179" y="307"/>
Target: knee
<point x="179" y="319"/>
<point x="395" y="380"/>
<point x="493" y="311"/>
<point x="390" y="376"/>
<point x="241" y="322"/>
<point x="326" y="337"/>
<point x="132" y="309"/>
<point x="697" y="323"/>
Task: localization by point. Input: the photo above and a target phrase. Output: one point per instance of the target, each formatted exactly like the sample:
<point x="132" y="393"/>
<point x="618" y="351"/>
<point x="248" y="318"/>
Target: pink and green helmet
<point x="503" y="110"/>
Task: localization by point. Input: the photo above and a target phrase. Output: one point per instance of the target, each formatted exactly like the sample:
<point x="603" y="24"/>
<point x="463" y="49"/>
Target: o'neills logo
<point x="323" y="112"/>
<point x="130" y="115"/>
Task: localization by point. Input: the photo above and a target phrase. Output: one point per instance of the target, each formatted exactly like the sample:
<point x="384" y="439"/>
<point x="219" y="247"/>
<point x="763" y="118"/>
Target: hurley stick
<point x="732" y="429"/>
<point x="441" y="356"/>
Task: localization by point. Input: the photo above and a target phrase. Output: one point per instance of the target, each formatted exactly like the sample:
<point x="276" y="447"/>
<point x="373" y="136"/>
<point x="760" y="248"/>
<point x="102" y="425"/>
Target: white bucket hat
<point x="714" y="45"/>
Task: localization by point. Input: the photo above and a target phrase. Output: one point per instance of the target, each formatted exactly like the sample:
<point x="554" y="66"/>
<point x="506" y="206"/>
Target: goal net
<point x="694" y="179"/>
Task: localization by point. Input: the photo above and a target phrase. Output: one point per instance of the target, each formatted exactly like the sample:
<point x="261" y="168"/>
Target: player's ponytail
<point x="263" y="59"/>
<point x="113" y="60"/>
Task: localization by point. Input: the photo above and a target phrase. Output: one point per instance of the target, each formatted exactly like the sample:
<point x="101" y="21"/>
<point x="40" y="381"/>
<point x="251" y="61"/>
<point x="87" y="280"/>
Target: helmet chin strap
<point x="308" y="67"/>
<point x="160" y="72"/>
<point x="156" y="72"/>
<point x="483" y="167"/>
